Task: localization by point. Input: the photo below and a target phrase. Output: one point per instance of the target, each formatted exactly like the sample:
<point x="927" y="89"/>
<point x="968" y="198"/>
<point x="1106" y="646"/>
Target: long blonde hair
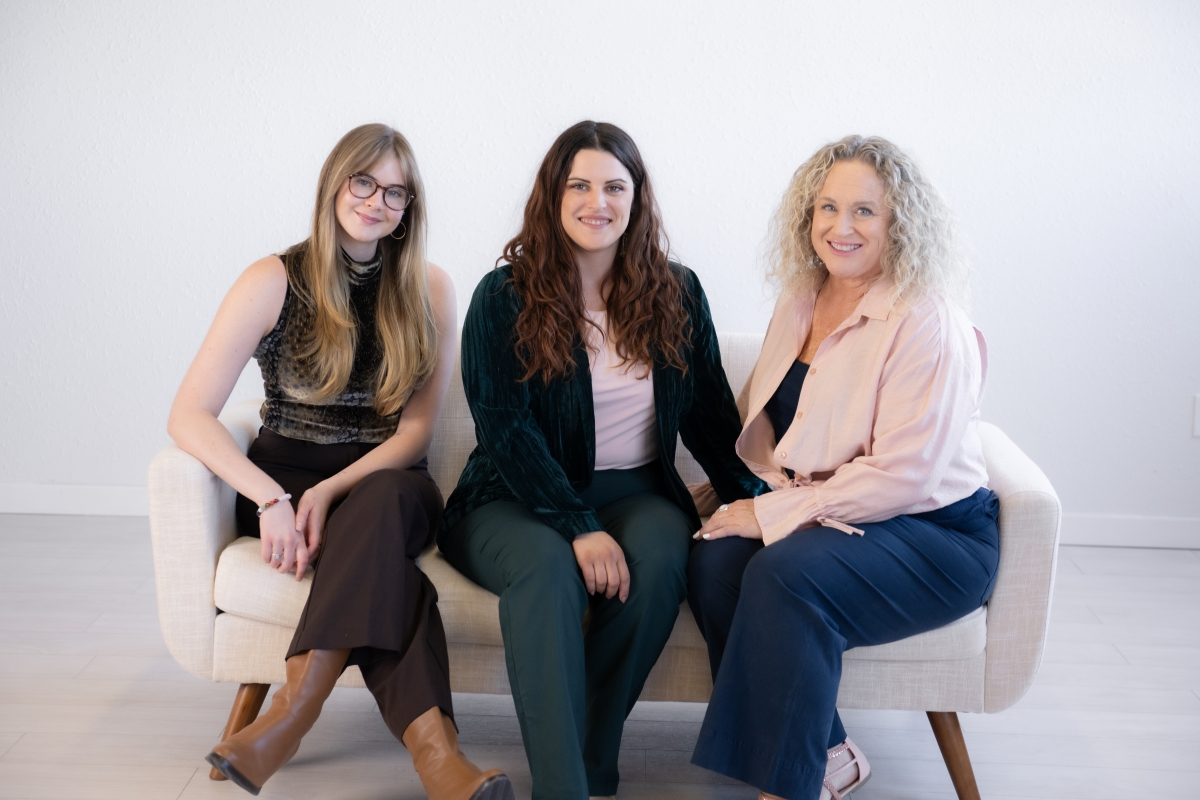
<point x="922" y="256"/>
<point x="405" y="327"/>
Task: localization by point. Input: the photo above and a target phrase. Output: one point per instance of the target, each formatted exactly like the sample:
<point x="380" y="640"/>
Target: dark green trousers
<point x="573" y="689"/>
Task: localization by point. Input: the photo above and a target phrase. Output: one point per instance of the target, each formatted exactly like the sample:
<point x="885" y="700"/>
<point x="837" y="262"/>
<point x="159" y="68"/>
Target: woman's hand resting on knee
<point x="311" y="513"/>
<point x="734" y="519"/>
<point x="602" y="562"/>
<point x="283" y="546"/>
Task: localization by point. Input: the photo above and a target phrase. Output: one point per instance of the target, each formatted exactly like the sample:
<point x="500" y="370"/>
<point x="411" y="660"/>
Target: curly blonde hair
<point x="923" y="255"/>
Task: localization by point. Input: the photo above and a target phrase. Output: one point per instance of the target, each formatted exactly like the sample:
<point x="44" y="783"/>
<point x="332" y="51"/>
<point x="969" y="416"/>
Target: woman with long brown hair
<point x="583" y="357"/>
<point x="354" y="333"/>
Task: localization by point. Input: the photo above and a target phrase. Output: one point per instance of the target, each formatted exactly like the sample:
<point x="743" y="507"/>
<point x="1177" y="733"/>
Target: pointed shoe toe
<point x="231" y="772"/>
<point x="495" y="786"/>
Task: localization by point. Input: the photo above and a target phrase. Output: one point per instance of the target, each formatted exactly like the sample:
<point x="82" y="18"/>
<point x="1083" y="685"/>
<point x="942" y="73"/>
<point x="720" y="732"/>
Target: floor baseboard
<point x="1131" y="530"/>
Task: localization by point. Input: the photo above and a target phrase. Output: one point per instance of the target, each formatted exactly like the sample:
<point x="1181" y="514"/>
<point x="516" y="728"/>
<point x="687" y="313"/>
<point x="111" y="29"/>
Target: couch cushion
<point x="470" y="613"/>
<point x="250" y="588"/>
<point x="471" y="616"/>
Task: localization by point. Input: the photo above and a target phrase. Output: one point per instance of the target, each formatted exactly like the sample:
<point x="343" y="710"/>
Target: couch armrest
<point x="1019" y="610"/>
<point x="191" y="522"/>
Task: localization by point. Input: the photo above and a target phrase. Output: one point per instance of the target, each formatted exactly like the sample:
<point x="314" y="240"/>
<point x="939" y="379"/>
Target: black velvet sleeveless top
<point x="346" y="417"/>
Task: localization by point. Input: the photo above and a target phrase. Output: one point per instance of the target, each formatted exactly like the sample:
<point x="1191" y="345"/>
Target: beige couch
<point x="227" y="616"/>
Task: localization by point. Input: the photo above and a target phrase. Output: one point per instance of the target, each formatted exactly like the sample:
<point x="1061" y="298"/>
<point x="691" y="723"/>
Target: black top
<point x="537" y="440"/>
<point x="348" y="416"/>
<point x="781" y="408"/>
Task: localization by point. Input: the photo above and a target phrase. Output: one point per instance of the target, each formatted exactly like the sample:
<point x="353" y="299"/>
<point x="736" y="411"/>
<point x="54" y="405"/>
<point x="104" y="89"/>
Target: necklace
<point x="363" y="270"/>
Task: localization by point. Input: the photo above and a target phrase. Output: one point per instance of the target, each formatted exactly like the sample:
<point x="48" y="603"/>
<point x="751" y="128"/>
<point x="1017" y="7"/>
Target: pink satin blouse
<point x="887" y="422"/>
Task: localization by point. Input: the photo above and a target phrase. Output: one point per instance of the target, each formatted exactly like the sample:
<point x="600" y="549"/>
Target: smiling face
<point x="850" y="222"/>
<point x="364" y="221"/>
<point x="596" y="201"/>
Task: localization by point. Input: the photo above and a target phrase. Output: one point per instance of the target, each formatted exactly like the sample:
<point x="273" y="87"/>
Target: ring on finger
<point x="723" y="507"/>
<point x="276" y="556"/>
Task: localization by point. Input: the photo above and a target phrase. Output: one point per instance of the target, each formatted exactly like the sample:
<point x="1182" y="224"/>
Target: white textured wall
<point x="149" y="151"/>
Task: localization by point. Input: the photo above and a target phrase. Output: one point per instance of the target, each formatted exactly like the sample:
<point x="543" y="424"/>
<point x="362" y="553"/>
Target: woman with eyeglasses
<point x="583" y="357"/>
<point x="355" y="335"/>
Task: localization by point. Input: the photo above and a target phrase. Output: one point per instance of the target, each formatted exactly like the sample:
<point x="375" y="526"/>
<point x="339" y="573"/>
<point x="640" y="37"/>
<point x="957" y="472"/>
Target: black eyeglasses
<point x="363" y="186"/>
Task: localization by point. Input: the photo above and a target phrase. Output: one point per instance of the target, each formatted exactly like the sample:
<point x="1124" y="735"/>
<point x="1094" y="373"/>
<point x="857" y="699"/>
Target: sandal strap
<point x="857" y="760"/>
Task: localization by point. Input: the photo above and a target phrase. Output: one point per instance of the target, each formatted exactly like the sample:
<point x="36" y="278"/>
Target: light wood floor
<point x="92" y="706"/>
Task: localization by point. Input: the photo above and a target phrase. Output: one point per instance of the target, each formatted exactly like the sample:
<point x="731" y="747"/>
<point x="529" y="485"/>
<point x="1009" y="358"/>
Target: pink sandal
<point x="842" y="775"/>
<point x="845" y="775"/>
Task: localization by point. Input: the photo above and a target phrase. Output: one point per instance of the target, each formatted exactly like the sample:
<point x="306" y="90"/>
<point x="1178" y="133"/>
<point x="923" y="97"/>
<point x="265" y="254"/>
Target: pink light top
<point x="888" y="418"/>
<point x="623" y="397"/>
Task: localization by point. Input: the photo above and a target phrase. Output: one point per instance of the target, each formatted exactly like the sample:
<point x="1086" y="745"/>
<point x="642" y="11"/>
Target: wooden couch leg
<point x="246" y="705"/>
<point x="949" y="737"/>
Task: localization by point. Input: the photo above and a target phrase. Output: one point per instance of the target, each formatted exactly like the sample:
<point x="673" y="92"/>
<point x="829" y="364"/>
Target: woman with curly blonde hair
<point x="861" y="414"/>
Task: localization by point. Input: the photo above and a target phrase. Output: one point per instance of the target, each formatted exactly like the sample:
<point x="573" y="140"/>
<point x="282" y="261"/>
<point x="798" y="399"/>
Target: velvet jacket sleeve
<point x="711" y="425"/>
<point x="505" y="426"/>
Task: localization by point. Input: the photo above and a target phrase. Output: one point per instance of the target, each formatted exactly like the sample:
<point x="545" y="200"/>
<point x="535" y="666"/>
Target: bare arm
<point x="248" y="312"/>
<point x="415" y="431"/>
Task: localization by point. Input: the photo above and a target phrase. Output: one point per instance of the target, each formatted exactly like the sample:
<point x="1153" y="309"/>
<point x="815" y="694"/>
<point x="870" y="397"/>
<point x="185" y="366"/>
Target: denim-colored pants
<point x="777" y="619"/>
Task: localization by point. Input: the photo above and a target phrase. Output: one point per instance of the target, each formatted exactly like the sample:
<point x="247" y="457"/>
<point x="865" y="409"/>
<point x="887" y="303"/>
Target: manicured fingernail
<point x="705" y="536"/>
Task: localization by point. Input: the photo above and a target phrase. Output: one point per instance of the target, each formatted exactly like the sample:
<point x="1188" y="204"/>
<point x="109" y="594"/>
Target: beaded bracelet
<point x="270" y="503"/>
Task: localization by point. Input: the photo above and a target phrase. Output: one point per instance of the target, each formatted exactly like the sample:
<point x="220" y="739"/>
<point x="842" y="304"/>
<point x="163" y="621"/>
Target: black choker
<point x="363" y="270"/>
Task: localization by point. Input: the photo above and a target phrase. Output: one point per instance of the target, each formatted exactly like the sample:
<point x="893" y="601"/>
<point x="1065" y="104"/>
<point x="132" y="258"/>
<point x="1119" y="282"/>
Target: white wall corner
<point x="1131" y="530"/>
<point x="51" y="498"/>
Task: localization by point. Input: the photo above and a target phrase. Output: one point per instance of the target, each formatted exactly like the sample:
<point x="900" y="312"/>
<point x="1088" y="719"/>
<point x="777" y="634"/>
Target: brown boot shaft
<point x="444" y="770"/>
<point x="255" y="753"/>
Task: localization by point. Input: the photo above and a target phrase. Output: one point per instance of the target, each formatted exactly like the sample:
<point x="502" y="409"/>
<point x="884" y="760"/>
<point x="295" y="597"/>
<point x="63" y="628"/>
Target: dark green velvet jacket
<point x="537" y="441"/>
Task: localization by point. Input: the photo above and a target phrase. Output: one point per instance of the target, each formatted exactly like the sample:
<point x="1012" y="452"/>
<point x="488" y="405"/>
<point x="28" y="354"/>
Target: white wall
<point x="149" y="151"/>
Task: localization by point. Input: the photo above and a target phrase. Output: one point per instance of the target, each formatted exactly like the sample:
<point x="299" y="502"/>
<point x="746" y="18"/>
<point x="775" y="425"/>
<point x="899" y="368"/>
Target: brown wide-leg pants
<point x="367" y="593"/>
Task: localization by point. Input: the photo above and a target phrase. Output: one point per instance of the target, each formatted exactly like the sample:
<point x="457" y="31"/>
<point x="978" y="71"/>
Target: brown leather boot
<point x="256" y="752"/>
<point x="445" y="772"/>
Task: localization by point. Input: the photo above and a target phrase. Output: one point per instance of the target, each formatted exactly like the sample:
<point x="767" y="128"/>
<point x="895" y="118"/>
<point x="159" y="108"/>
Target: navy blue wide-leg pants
<point x="777" y="619"/>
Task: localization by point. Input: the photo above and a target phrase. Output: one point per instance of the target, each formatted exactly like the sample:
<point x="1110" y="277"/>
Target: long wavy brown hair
<point x="646" y="316"/>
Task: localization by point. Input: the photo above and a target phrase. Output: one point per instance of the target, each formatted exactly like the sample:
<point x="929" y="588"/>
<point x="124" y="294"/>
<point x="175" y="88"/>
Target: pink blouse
<point x="887" y="422"/>
<point x="623" y="399"/>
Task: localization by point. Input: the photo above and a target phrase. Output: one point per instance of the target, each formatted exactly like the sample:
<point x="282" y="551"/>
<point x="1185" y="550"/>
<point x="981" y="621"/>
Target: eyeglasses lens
<point x="395" y="198"/>
<point x="362" y="187"/>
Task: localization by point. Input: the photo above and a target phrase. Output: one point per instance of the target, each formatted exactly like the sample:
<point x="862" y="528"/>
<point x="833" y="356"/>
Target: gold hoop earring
<point x="401" y="236"/>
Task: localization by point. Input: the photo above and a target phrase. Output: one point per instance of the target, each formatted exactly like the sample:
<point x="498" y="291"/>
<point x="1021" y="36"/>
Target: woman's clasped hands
<point x="291" y="539"/>
<point x="731" y="519"/>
